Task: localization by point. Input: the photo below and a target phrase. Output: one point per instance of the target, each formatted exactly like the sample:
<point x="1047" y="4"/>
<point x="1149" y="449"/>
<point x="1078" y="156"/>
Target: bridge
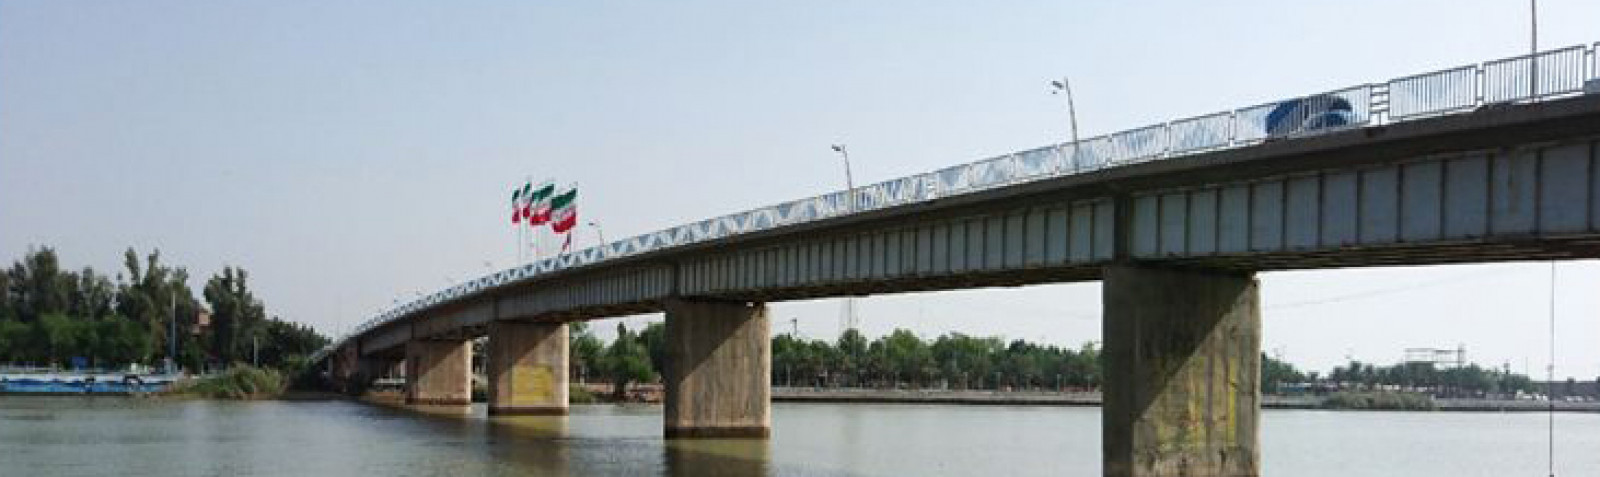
<point x="1487" y="162"/>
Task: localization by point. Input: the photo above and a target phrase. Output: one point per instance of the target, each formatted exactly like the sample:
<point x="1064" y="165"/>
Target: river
<point x="70" y="436"/>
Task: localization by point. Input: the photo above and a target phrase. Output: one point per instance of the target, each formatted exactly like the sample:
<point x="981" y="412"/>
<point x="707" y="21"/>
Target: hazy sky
<point x="349" y="154"/>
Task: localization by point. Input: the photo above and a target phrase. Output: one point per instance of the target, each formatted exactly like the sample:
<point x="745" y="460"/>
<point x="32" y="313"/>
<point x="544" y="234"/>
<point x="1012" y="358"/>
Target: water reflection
<point x="535" y="444"/>
<point x="717" y="457"/>
<point x="136" y="438"/>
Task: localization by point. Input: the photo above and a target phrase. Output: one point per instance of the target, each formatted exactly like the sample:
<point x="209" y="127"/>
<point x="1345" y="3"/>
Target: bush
<point x="238" y="382"/>
<point x="578" y="395"/>
<point x="1379" y="400"/>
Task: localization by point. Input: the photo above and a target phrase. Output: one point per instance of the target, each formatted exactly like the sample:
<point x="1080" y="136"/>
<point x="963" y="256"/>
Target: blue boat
<point x="83" y="383"/>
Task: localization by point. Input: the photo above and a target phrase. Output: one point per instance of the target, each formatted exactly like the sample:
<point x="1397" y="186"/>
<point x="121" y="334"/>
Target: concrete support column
<point x="439" y="372"/>
<point x="719" y="369"/>
<point x="527" y="368"/>
<point x="1181" y="362"/>
<point x="345" y="369"/>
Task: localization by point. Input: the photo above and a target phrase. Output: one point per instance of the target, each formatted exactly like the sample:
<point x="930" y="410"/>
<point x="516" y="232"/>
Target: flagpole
<point x="516" y="222"/>
<point x="533" y="231"/>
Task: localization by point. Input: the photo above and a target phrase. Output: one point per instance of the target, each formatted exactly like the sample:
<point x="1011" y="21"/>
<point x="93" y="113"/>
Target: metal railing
<point x="1554" y="73"/>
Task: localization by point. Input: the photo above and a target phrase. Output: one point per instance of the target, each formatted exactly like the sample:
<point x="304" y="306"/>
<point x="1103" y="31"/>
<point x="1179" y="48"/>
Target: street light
<point x="849" y="181"/>
<point x="599" y="232"/>
<point x="1065" y="88"/>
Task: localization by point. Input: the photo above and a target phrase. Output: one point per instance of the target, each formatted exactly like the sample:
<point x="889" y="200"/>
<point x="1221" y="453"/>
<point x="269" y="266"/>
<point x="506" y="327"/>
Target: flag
<point x="538" y="210"/>
<point x="567" y="245"/>
<point x="564" y="212"/>
<point x="517" y="193"/>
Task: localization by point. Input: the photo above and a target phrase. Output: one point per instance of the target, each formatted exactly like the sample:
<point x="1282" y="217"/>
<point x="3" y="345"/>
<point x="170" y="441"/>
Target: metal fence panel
<point x="1144" y="143"/>
<point x="1204" y="132"/>
<point x="1095" y="153"/>
<point x="1555" y="72"/>
<point x="993" y="172"/>
<point x="1433" y="93"/>
<point x="1038" y="162"/>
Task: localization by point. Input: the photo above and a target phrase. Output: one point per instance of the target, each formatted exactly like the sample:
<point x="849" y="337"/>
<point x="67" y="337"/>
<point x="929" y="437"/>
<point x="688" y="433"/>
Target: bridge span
<point x="1474" y="164"/>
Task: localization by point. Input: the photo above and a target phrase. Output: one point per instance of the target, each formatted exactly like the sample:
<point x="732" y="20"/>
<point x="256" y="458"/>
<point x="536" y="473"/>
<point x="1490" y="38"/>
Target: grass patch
<point x="578" y="395"/>
<point x="1380" y="400"/>
<point x="238" y="382"/>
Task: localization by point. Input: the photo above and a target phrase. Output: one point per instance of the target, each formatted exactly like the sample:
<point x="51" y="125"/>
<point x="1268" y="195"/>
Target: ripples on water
<point x="53" y="436"/>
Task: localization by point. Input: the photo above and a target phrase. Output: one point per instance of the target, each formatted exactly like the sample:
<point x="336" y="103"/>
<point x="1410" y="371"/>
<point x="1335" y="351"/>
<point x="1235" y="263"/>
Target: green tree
<point x="907" y="357"/>
<point x="586" y="351"/>
<point x="285" y="345"/>
<point x="852" y="351"/>
<point x="38" y="286"/>
<point x="236" y="315"/>
<point x="626" y="361"/>
<point x="1276" y="373"/>
<point x="654" y="339"/>
<point x="155" y="295"/>
<point x="58" y="334"/>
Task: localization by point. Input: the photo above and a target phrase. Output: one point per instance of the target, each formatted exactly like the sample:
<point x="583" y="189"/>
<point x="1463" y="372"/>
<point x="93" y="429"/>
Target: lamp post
<point x="1533" y="49"/>
<point x="849" y="181"/>
<point x="172" y="332"/>
<point x="1064" y="87"/>
<point x="600" y="233"/>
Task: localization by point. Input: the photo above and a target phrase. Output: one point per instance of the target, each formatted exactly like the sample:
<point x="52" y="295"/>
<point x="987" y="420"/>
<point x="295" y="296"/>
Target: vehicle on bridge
<point x="1310" y="113"/>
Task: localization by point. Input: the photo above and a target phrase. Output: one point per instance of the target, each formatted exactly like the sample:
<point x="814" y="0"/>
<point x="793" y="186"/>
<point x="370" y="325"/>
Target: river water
<point x="61" y="436"/>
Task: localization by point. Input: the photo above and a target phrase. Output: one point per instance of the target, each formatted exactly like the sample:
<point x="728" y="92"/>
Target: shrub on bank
<point x="238" y="382"/>
<point x="576" y="394"/>
<point x="1380" y="400"/>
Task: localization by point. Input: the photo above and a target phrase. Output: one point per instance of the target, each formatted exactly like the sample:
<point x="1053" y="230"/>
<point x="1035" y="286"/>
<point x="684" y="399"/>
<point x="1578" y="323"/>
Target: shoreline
<point x="961" y="398"/>
<point x="1090" y="399"/>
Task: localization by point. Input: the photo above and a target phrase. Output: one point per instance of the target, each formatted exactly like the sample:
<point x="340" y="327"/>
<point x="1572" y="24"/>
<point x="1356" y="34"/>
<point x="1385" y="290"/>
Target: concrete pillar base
<point x="748" y="432"/>
<point x="1182" y="366"/>
<point x="439" y="372"/>
<point x="439" y="401"/>
<point x="527" y="369"/>
<point x="527" y="411"/>
<point x="719" y="370"/>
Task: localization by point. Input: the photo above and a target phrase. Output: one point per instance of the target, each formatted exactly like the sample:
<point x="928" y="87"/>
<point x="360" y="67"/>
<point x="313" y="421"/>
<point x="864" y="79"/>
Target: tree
<point x="13" y="340"/>
<point x="1275" y="373"/>
<point x="48" y="314"/>
<point x="235" y="312"/>
<point x="155" y="295"/>
<point x="38" y="286"/>
<point x="654" y="339"/>
<point x="626" y="361"/>
<point x="285" y="345"/>
<point x="58" y="334"/>
<point x="907" y="357"/>
<point x="852" y="349"/>
<point x="587" y="351"/>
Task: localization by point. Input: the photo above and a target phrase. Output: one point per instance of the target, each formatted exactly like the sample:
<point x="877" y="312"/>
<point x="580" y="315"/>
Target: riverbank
<point x="1030" y="398"/>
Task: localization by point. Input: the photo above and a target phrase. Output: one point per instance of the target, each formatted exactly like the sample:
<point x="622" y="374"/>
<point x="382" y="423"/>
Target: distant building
<point x="202" y="323"/>
<point x="1574" y="387"/>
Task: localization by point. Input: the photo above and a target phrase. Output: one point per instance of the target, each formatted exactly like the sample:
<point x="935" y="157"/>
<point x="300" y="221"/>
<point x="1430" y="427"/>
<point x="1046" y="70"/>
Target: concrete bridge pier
<point x="343" y="368"/>
<point x="718" y="370"/>
<point x="527" y="368"/>
<point x="439" y="372"/>
<point x="1181" y="362"/>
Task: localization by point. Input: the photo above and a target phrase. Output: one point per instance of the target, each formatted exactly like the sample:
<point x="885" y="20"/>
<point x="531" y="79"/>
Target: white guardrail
<point x="1556" y="73"/>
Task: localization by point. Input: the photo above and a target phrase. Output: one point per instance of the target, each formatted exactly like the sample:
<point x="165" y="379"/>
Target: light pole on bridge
<point x="600" y="233"/>
<point x="1064" y="87"/>
<point x="849" y="180"/>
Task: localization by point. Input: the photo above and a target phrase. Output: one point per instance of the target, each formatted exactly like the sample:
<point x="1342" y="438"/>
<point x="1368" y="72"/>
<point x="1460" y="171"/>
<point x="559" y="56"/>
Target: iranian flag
<point x="538" y="209"/>
<point x="564" y="212"/>
<point x="519" y="205"/>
